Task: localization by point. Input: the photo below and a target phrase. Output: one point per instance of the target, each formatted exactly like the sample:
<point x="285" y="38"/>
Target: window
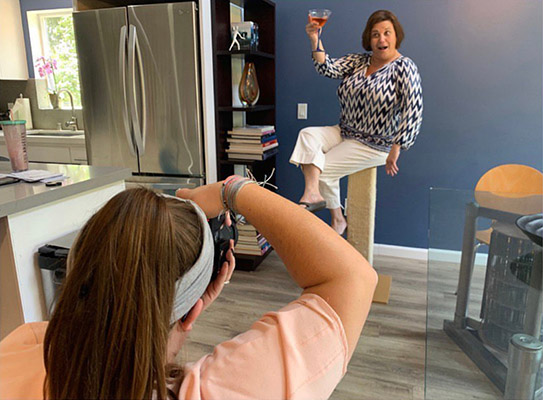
<point x="52" y="37"/>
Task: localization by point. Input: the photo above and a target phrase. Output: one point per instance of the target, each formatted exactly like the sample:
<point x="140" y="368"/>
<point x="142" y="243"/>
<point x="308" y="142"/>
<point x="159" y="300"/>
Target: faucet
<point x="72" y="123"/>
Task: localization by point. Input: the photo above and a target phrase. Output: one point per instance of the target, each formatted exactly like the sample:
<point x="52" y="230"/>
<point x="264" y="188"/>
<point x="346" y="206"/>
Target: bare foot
<point x="339" y="225"/>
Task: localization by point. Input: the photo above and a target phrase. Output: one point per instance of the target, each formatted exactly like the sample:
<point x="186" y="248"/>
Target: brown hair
<point x="375" y="18"/>
<point x="108" y="334"/>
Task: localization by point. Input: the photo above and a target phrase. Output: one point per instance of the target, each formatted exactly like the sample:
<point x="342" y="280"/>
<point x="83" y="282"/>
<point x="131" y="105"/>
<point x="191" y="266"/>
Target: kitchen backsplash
<point x="9" y="91"/>
<point x="44" y="119"/>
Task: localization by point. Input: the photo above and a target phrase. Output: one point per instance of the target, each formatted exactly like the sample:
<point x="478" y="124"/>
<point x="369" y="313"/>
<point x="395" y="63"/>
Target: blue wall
<point x="480" y="63"/>
<point x="29" y="5"/>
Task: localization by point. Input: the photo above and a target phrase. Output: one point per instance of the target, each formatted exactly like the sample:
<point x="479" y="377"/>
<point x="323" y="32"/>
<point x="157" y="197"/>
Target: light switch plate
<point x="302" y="110"/>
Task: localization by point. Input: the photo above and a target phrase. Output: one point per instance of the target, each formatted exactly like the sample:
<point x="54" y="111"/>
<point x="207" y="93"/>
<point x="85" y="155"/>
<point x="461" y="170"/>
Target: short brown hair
<point x="375" y="18"/>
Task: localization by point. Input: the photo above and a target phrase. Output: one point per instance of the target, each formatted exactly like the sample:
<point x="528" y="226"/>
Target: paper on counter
<point x="36" y="175"/>
<point x="54" y="178"/>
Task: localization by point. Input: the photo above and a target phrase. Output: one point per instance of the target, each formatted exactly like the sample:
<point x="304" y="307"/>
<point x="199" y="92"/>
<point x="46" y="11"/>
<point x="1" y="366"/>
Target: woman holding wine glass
<point x="380" y="96"/>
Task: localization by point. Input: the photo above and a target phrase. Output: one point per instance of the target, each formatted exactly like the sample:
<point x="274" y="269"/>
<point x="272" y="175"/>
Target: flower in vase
<point x="46" y="69"/>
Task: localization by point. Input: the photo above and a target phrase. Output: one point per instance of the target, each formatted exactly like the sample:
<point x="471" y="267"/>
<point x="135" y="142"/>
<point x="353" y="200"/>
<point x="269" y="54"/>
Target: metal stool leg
<point x="524" y="358"/>
<point x="466" y="266"/>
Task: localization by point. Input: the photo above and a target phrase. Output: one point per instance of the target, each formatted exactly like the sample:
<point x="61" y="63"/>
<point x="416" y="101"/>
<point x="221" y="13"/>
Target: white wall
<point x="12" y="46"/>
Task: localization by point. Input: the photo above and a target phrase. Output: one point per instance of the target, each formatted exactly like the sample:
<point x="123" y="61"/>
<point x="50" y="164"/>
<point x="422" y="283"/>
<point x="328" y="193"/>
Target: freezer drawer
<point x="166" y="185"/>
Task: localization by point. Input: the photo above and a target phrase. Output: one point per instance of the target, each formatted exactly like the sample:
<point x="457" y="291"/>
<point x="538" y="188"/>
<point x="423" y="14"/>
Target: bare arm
<point x="335" y="68"/>
<point x="391" y="166"/>
<point x="312" y="30"/>
<point x="317" y="258"/>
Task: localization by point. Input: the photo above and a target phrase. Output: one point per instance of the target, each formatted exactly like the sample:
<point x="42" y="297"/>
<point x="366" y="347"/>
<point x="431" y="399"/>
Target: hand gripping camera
<point x="222" y="235"/>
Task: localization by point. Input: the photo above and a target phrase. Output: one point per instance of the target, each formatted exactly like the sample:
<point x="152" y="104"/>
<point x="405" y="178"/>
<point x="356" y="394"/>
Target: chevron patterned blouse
<point x="382" y="109"/>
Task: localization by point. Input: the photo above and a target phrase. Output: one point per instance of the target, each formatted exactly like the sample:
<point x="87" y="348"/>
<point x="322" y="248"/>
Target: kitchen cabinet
<point x="52" y="149"/>
<point x="12" y="46"/>
<point x="31" y="215"/>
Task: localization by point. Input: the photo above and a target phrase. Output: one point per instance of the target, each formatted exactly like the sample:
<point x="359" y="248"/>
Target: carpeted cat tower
<point x="361" y="197"/>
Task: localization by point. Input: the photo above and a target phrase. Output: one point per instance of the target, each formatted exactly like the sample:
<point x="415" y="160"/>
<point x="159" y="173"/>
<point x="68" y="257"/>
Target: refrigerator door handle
<point x="122" y="72"/>
<point x="143" y="97"/>
<point x="132" y="40"/>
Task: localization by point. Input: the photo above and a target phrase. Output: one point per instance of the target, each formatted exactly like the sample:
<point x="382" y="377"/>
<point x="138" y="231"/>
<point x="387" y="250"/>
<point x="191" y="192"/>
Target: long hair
<point x="108" y="335"/>
<point x="375" y="18"/>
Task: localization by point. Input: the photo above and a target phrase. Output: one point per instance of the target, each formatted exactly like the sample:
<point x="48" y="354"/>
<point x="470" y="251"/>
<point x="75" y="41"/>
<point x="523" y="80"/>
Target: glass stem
<point x="319" y="41"/>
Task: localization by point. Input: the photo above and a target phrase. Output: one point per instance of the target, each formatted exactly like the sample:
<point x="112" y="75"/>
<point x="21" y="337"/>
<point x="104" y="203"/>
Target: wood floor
<point x="389" y="362"/>
<point x="451" y="375"/>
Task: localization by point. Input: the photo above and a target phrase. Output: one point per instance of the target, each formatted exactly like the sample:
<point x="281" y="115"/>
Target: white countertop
<point x="55" y="137"/>
<point x="17" y="197"/>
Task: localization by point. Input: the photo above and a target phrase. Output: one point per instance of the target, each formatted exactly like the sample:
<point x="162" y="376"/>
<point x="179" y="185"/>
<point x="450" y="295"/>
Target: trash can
<point x="52" y="262"/>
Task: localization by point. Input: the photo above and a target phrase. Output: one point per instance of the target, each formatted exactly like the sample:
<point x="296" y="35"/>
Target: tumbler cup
<point x="15" y="136"/>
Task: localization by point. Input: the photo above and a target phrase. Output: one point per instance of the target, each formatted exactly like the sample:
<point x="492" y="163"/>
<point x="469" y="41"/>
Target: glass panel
<point x="472" y="317"/>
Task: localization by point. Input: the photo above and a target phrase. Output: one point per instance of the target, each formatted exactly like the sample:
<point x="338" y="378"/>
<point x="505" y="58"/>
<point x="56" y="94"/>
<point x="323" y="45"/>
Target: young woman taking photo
<point x="138" y="278"/>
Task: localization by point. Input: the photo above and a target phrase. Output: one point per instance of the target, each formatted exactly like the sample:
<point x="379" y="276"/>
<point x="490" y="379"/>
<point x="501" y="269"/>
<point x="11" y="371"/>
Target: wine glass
<point x="319" y="16"/>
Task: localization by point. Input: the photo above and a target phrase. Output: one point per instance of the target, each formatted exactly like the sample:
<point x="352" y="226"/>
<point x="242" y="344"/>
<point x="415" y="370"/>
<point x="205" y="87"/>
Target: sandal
<point x="314" y="207"/>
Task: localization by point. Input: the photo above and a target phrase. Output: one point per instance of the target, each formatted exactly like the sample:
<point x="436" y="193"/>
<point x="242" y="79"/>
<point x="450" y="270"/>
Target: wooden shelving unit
<point x="247" y="262"/>
<point x="253" y="53"/>
<point x="263" y="113"/>
<point x="247" y="109"/>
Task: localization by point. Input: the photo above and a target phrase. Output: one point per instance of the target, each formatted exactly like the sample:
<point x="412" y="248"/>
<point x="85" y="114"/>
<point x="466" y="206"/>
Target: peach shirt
<point x="298" y="352"/>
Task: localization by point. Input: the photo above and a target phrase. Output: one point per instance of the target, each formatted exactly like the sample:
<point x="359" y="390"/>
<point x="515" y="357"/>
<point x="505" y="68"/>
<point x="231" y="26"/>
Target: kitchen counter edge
<point x="14" y="201"/>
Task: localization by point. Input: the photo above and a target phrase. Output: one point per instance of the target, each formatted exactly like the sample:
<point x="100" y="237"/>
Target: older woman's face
<point x="383" y="40"/>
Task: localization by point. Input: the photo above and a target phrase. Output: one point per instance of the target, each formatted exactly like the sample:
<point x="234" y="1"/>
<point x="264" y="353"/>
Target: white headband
<point x="192" y="285"/>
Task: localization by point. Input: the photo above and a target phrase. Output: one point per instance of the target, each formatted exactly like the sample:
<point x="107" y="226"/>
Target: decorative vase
<point x="53" y="98"/>
<point x="249" y="91"/>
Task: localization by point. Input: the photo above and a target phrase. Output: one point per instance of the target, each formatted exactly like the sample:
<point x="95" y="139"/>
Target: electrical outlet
<point x="302" y="110"/>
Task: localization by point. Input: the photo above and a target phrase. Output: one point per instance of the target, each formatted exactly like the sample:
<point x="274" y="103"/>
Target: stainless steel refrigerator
<point x="140" y="87"/>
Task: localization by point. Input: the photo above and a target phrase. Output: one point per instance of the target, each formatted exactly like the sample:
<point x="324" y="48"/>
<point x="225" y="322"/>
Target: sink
<point x="53" y="132"/>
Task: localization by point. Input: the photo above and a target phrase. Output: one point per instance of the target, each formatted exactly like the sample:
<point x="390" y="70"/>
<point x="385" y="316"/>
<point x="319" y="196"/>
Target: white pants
<point x="336" y="157"/>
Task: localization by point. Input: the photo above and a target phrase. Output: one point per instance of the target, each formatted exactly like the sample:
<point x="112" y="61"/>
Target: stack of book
<point x="250" y="241"/>
<point x="252" y="142"/>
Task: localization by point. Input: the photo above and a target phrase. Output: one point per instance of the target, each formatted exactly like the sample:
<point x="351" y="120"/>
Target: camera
<point x="222" y="234"/>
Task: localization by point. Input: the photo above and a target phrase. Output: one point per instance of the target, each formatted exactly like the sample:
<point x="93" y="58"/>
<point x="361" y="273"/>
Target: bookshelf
<point x="263" y="112"/>
<point x="247" y="109"/>
<point x="246" y="262"/>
